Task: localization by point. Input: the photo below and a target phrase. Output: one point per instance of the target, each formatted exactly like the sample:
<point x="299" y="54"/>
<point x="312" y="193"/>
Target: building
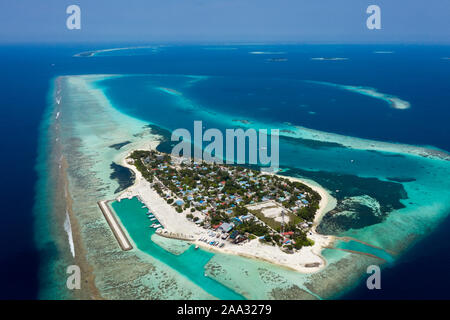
<point x="179" y="202"/>
<point x="226" y="227"/>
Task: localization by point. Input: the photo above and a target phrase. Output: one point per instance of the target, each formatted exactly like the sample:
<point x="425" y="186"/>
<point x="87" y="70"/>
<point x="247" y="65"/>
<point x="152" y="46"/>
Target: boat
<point x="196" y="246"/>
<point x="157" y="225"/>
<point x="152" y="219"/>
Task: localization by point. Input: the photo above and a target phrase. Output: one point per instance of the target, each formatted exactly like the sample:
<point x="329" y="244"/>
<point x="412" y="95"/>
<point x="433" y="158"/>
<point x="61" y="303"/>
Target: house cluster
<point x="228" y="230"/>
<point x="216" y="195"/>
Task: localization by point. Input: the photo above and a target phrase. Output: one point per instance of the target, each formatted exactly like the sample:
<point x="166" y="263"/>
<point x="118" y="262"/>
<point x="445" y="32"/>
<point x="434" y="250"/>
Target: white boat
<point x="156" y="226"/>
<point x="196" y="246"/>
<point x="152" y="219"/>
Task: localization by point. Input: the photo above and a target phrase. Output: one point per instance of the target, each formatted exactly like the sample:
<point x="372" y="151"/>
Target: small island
<point x="230" y="208"/>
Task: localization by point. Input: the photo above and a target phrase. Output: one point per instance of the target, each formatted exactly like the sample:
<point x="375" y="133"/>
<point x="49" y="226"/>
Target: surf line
<point x="68" y="229"/>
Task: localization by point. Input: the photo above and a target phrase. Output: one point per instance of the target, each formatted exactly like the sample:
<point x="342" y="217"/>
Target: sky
<point x="310" y="21"/>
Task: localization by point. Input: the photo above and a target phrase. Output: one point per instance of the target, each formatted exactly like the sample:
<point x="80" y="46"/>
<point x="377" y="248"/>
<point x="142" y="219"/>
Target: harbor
<point x="190" y="263"/>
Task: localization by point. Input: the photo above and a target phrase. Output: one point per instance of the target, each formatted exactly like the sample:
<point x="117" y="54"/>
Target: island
<point x="229" y="208"/>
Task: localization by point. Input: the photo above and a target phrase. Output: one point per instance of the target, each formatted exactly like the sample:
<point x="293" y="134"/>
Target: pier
<point x="115" y="226"/>
<point x="174" y="235"/>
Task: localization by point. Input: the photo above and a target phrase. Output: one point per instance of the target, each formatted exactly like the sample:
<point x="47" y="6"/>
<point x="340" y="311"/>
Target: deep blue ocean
<point x="417" y="74"/>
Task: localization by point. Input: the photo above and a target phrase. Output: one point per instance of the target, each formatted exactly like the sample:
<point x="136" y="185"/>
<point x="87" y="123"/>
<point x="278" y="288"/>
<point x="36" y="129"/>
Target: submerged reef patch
<point x="401" y="179"/>
<point x="360" y="201"/>
<point x="118" y="146"/>
<point x="165" y="145"/>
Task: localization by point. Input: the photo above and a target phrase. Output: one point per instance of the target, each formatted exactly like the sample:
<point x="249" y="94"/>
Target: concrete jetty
<point x="173" y="235"/>
<point x="115" y="226"/>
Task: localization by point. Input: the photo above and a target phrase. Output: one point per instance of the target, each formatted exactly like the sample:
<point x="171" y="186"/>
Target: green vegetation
<point x="301" y="240"/>
<point x="253" y="228"/>
<point x="240" y="211"/>
<point x="308" y="213"/>
<point x="294" y="220"/>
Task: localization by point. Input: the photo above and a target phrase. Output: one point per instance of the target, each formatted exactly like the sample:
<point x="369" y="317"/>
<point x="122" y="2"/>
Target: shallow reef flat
<point x="392" y="101"/>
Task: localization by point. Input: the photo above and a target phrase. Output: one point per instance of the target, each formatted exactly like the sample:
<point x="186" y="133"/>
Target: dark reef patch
<point x="117" y="146"/>
<point x="344" y="186"/>
<point x="349" y="214"/>
<point x="401" y="179"/>
<point x="124" y="176"/>
<point x="385" y="154"/>
<point x="165" y="145"/>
